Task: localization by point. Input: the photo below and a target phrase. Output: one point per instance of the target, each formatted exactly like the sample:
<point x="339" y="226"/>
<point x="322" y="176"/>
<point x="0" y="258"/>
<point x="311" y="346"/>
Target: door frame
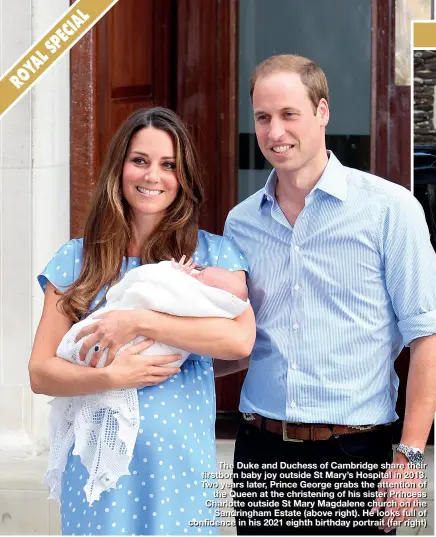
<point x="390" y="135"/>
<point x="390" y="103"/>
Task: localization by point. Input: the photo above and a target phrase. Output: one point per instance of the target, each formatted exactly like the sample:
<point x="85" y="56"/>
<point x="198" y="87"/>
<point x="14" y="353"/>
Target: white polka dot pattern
<point x="177" y="444"/>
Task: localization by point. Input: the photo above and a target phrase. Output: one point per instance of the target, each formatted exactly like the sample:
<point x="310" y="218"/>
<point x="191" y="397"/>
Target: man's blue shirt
<point x="336" y="297"/>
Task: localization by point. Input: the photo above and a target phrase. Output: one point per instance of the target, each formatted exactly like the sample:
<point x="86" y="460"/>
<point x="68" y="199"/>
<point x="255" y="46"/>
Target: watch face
<point x="416" y="457"/>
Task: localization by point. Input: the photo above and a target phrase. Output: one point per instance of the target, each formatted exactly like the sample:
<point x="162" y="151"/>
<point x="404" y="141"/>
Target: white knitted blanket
<point x="103" y="427"/>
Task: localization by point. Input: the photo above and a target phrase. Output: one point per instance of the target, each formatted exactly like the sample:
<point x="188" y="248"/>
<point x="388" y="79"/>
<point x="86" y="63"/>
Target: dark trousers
<point x="323" y="487"/>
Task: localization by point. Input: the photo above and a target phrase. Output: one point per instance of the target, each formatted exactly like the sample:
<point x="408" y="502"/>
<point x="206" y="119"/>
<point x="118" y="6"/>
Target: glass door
<point x="337" y="35"/>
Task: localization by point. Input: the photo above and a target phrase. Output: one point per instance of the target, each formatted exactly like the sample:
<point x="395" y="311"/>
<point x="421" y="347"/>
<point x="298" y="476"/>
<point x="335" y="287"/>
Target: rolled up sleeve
<point x="410" y="267"/>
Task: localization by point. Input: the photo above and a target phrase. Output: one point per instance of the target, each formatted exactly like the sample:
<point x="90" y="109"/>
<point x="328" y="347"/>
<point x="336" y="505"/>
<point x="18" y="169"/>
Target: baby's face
<point x="222" y="279"/>
<point x="212" y="276"/>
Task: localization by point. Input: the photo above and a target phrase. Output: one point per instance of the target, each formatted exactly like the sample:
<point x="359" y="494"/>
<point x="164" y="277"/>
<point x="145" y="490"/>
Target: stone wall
<point x="424" y="79"/>
<point x="405" y="12"/>
<point x="34" y="222"/>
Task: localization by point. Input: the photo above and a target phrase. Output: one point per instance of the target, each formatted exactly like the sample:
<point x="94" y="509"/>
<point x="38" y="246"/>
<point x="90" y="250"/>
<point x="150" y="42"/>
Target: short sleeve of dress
<point x="230" y="257"/>
<point x="64" y="267"/>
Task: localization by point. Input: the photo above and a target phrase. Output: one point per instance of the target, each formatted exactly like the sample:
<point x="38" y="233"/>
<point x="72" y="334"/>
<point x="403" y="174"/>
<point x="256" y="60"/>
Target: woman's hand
<point x="111" y="330"/>
<point x="129" y="369"/>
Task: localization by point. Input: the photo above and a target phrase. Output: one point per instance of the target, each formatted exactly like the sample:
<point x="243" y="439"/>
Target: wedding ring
<point x="98" y="348"/>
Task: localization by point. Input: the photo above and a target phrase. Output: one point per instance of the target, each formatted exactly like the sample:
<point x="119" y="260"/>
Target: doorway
<point x="195" y="56"/>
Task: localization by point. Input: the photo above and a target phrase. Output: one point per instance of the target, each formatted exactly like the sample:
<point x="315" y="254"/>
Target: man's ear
<point x="323" y="112"/>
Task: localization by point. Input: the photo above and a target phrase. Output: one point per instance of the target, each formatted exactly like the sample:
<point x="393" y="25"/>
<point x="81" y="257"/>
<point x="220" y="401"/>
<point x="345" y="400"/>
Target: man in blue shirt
<point x="341" y="277"/>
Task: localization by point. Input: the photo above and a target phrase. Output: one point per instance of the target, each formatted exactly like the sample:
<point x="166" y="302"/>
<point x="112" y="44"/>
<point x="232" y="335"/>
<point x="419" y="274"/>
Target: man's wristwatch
<point x="414" y="455"/>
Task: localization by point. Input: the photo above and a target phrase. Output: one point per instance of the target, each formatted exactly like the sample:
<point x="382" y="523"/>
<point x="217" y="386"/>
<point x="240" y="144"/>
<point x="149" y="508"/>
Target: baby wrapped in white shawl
<point x="103" y="427"/>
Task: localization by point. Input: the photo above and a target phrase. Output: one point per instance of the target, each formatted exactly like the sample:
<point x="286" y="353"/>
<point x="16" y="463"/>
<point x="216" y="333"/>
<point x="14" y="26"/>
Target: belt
<point x="298" y="432"/>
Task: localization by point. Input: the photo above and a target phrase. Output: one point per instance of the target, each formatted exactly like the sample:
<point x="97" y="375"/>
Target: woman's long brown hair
<point x="108" y="231"/>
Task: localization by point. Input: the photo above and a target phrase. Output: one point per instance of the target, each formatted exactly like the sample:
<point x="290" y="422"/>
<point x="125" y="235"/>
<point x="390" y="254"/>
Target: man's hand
<point x="397" y="493"/>
<point x="111" y="330"/>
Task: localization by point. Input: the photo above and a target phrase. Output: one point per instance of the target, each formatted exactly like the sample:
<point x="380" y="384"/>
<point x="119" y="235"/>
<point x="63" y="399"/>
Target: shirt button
<point x="297" y="248"/>
<point x="294" y="366"/>
<point x="293" y="404"/>
<point x="296" y="326"/>
<point x="296" y="287"/>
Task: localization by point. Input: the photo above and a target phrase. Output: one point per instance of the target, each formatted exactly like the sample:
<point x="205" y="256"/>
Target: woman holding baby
<point x="145" y="209"/>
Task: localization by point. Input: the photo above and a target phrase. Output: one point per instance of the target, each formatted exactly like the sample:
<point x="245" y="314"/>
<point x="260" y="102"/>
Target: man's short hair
<point x="312" y="76"/>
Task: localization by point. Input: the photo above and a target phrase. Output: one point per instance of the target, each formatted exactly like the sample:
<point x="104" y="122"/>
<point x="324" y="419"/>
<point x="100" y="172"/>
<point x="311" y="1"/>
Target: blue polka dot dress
<point x="168" y="491"/>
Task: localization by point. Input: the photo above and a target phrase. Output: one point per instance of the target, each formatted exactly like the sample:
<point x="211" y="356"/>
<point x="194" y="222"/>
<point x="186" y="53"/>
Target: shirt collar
<point x="333" y="181"/>
<point x="269" y="190"/>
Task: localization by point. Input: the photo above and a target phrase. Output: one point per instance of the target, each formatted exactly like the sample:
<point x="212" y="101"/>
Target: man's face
<point x="290" y="133"/>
